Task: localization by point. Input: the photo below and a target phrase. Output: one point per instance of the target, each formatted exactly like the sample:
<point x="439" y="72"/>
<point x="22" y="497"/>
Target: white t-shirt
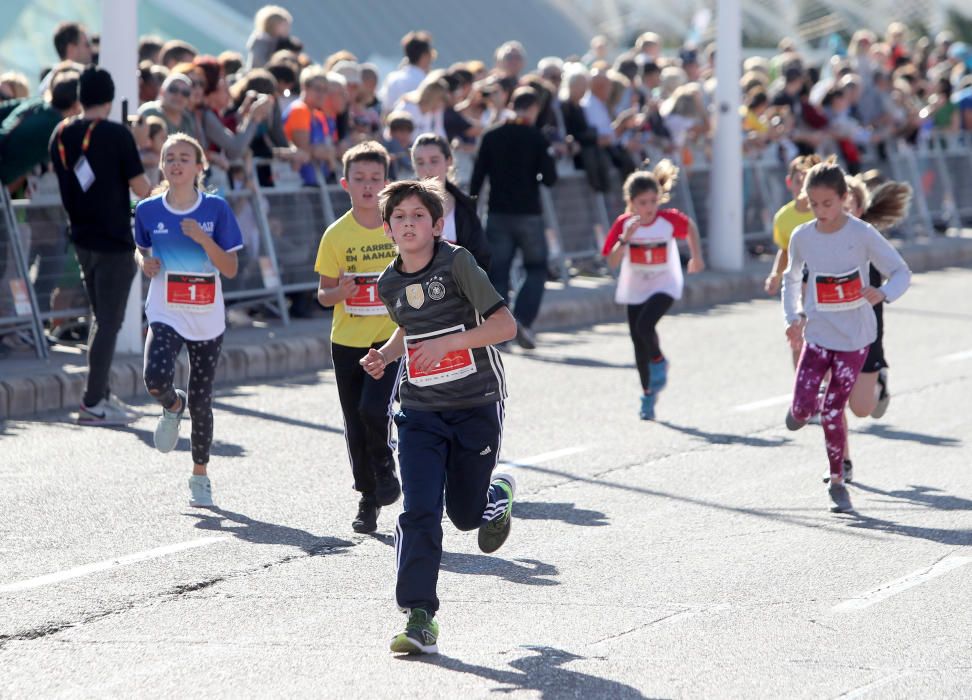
<point x="398" y="82"/>
<point x="651" y="263"/>
<point x="428" y="122"/>
<point x="449" y="229"/>
<point x="597" y="115"/>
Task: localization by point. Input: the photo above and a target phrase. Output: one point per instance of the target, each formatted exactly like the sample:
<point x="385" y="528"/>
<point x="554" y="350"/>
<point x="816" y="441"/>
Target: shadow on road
<point x="889" y="433"/>
<point x="544" y="672"/>
<point x="530" y="572"/>
<point x="574" y="361"/>
<point x="259" y="532"/>
<point x="219" y="448"/>
<point x="726" y="438"/>
<point x="922" y="496"/>
<point x="565" y="512"/>
<point x="275" y="418"/>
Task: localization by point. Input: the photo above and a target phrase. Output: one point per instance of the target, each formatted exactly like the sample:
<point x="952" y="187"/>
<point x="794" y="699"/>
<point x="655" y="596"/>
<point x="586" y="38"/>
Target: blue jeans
<point x="506" y="233"/>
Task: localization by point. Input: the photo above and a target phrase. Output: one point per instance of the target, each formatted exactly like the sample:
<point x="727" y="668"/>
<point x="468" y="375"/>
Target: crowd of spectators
<point x="602" y="112"/>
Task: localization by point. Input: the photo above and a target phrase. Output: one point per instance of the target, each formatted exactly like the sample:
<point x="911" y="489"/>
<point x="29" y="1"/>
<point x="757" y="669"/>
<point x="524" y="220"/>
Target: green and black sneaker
<point x="420" y="635"/>
<point x="499" y="513"/>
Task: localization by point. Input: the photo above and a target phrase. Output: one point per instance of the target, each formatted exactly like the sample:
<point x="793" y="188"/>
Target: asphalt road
<point x="690" y="557"/>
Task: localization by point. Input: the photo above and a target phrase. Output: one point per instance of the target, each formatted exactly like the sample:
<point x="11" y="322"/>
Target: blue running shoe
<point x="659" y="374"/>
<point x="647" y="407"/>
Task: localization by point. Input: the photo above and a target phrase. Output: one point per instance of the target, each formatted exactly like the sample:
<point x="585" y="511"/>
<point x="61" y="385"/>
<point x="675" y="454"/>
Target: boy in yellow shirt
<point x="789" y="216"/>
<point x="353" y="252"/>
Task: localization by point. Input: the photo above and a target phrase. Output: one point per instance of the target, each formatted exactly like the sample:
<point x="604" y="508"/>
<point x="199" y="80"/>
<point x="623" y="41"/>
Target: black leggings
<point x="642" y="319"/>
<point x="162" y="347"/>
<point x="367" y="406"/>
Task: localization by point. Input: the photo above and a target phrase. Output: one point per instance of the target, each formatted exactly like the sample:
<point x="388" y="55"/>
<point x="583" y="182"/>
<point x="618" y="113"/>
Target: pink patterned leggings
<point x="844" y="368"/>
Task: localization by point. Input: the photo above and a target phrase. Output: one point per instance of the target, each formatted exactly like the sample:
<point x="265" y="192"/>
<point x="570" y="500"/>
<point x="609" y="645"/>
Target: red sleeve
<point x="614" y="234"/>
<point x="678" y="220"/>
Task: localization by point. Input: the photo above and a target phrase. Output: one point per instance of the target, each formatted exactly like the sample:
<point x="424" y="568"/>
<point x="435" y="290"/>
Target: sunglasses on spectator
<point x="176" y="90"/>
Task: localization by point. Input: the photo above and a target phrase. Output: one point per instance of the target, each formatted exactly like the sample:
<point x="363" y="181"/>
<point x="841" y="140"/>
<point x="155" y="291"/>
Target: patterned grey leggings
<point x="162" y="346"/>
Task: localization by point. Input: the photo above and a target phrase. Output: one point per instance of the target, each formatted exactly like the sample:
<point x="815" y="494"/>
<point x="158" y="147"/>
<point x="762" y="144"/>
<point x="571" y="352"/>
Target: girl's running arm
<point x="226" y="262"/>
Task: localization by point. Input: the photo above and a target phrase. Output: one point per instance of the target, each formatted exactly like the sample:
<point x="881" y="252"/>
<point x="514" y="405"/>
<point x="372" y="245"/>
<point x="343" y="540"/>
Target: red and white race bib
<point x="648" y="256"/>
<point x="190" y="291"/>
<point x="455" y="365"/>
<point x="365" y="300"/>
<point x="839" y="292"/>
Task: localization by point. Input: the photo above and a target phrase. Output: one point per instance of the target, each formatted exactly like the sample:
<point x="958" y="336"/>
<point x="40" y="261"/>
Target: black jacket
<point x="512" y="156"/>
<point x="469" y="229"/>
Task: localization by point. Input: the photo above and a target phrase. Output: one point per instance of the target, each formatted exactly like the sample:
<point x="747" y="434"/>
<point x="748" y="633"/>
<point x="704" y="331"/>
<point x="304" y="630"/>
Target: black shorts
<point x="875" y="355"/>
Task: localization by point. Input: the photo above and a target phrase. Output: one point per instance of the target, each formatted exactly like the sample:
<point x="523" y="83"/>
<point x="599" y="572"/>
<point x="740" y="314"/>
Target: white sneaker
<point x="104" y="413"/>
<point x="166" y="435"/>
<point x="113" y="400"/>
<point x="200" y="492"/>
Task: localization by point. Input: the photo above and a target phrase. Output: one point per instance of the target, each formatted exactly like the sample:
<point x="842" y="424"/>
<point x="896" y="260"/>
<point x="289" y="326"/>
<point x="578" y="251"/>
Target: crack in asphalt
<point x="646" y="625"/>
<point x="167" y="596"/>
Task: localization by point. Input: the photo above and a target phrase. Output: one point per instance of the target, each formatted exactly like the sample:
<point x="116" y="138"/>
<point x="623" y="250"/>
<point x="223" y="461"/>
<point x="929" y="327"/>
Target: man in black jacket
<point x="516" y="158"/>
<point x="96" y="162"/>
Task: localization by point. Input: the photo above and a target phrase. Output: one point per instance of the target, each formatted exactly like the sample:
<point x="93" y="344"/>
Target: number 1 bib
<point x="651" y="256"/>
<point x="455" y="365"/>
<point x="365" y="300"/>
<point x="839" y="292"/>
<point x="190" y="291"/>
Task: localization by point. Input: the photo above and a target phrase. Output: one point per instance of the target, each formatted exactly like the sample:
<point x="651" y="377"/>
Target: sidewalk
<point x="29" y="386"/>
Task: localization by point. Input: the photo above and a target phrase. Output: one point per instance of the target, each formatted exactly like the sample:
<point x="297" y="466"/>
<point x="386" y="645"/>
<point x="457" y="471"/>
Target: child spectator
<point x="398" y="140"/>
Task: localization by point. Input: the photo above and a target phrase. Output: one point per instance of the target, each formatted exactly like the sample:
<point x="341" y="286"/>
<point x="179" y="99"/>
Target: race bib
<point x="455" y="365"/>
<point x="365" y="300"/>
<point x="839" y="292"/>
<point x="649" y="256"/>
<point x="190" y="291"/>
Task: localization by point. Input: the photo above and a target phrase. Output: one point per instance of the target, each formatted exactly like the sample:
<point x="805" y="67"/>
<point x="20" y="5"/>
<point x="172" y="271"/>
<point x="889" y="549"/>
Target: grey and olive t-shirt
<point x="451" y="295"/>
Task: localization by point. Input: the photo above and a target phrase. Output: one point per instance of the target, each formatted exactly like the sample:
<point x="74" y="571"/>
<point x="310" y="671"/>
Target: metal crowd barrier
<point x="282" y="227"/>
<point x="19" y="313"/>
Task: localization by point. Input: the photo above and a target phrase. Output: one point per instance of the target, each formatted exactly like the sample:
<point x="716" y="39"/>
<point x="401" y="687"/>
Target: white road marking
<point x="765" y="403"/>
<point x="956" y="356"/>
<point x="865" y="600"/>
<point x="79" y="571"/>
<point x="546" y="456"/>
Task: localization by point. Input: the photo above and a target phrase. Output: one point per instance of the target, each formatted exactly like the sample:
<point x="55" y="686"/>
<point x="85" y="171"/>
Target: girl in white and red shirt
<point x="642" y="240"/>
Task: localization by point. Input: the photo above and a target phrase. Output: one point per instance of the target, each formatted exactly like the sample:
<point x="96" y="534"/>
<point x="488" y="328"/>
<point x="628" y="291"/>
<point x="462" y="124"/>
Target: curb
<point x="585" y="303"/>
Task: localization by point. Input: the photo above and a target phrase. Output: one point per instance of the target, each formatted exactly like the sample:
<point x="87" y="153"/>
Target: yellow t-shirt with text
<point x="347" y="245"/>
<point x="786" y="220"/>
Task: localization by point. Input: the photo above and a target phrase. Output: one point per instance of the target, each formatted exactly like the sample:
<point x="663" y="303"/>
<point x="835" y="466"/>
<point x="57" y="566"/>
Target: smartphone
<point x="124" y="115"/>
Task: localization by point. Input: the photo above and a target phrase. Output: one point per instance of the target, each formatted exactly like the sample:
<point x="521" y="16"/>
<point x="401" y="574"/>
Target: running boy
<point x="450" y="426"/>
<point x="789" y="216"/>
<point x="353" y="252"/>
<point x="837" y="326"/>
<point x="642" y="240"/>
<point x="186" y="240"/>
